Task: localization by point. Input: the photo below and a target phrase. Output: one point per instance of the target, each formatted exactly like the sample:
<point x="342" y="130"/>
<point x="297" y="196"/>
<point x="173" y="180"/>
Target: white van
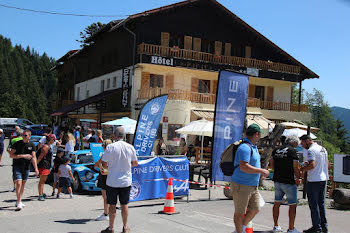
<point x="15" y="121"/>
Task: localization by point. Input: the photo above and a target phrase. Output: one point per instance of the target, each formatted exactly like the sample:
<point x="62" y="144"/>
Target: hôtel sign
<point x="162" y="61"/>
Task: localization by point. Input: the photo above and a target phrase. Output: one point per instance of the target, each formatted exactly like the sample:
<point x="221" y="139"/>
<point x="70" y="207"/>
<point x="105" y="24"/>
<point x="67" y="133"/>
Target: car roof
<point x="82" y="152"/>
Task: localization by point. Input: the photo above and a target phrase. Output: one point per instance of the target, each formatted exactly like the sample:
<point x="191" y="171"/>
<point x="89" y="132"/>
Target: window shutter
<point x="170" y="81"/>
<point x="227" y="49"/>
<point x="145" y="80"/>
<point x="164" y="37"/>
<point x="251" y="91"/>
<point x="197" y="44"/>
<point x="269" y="96"/>
<point x="188" y="43"/>
<point x="218" y="47"/>
<point x="215" y="86"/>
<point x="194" y="85"/>
<point x="248" y="52"/>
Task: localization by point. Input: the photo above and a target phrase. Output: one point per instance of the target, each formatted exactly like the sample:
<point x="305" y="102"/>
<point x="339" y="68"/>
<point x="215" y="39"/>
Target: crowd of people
<point x="119" y="157"/>
<point x="287" y="176"/>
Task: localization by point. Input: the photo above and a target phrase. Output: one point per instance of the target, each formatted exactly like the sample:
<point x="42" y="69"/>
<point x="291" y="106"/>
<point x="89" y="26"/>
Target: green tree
<point x="89" y="31"/>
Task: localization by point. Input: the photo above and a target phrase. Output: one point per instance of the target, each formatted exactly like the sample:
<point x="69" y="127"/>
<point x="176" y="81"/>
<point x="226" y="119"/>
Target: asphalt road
<point x="199" y="215"/>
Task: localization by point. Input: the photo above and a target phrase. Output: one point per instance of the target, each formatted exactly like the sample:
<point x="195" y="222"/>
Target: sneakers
<point x="108" y="230"/>
<point x="102" y="217"/>
<point x="41" y="198"/>
<point x="277" y="229"/>
<point x="19" y="206"/>
<point x="312" y="230"/>
<point x="53" y="194"/>
<point x="57" y="196"/>
<point x="14" y="189"/>
<point x="293" y="231"/>
<point x="126" y="230"/>
<point x="44" y="195"/>
<point x="71" y="196"/>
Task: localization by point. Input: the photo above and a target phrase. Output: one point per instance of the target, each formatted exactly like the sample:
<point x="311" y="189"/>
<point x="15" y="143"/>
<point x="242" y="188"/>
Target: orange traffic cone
<point x="169" y="206"/>
<point x="249" y="228"/>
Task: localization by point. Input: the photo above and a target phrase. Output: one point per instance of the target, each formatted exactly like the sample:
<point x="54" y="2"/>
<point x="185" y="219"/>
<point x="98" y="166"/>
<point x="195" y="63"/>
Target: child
<point x="56" y="164"/>
<point x="64" y="172"/>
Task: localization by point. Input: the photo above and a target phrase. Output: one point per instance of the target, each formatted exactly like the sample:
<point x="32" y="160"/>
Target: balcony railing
<point x="208" y="57"/>
<point x="208" y="98"/>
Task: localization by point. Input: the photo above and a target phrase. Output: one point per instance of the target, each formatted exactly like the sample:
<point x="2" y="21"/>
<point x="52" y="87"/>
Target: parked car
<point x="38" y="129"/>
<point x="84" y="172"/>
<point x="10" y="127"/>
<point x="35" y="139"/>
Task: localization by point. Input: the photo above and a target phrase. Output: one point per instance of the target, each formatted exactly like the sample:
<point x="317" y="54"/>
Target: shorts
<point x="20" y="173"/>
<point x="55" y="177"/>
<point x="113" y="193"/>
<point x="64" y="182"/>
<point x="245" y="197"/>
<point x="1" y="150"/>
<point x="101" y="182"/>
<point x="44" y="171"/>
<point x="290" y="190"/>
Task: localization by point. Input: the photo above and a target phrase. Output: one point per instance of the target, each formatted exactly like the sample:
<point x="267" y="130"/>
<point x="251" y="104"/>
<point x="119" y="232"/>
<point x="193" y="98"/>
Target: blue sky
<point x="315" y="32"/>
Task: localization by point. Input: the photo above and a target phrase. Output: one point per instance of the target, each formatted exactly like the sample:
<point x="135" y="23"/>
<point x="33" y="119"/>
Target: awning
<point x="264" y="123"/>
<point x="208" y="115"/>
<point x="80" y="104"/>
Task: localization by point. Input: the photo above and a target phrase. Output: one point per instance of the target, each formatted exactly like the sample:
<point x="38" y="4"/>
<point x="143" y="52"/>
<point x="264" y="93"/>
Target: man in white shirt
<point x="317" y="167"/>
<point x="118" y="158"/>
<point x="86" y="139"/>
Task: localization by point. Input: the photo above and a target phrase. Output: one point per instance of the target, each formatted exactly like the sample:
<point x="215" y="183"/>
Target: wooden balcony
<point x="150" y="49"/>
<point x="208" y="98"/>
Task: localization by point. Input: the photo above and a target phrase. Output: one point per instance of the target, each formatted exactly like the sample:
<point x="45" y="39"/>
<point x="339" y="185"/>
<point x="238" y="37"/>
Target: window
<point x="114" y="81"/>
<point x="156" y="80"/>
<point x="208" y="46"/>
<point x="260" y="92"/>
<point x="204" y="86"/>
<point x="108" y="83"/>
<point x="176" y="41"/>
<point x="171" y="131"/>
<point x="102" y="85"/>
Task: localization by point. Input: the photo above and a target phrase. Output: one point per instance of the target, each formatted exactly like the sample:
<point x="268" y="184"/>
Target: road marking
<point x="221" y="217"/>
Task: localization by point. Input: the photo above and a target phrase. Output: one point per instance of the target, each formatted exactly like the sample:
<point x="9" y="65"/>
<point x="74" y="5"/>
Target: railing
<point x="208" y="98"/>
<point x="221" y="59"/>
<point x="178" y="94"/>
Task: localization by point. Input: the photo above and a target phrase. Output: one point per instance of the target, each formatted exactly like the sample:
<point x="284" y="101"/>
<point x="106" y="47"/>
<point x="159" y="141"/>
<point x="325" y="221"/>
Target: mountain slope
<point x="342" y="114"/>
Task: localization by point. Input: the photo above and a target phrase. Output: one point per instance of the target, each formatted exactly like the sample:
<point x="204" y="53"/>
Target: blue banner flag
<point x="230" y="110"/>
<point x="149" y="178"/>
<point x="147" y="125"/>
<point x="96" y="150"/>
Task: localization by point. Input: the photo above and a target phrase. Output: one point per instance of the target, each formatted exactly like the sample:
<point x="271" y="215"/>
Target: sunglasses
<point x="26" y="135"/>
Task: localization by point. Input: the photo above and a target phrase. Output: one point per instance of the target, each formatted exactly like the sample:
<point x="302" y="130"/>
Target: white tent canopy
<point x="200" y="128"/>
<point x="128" y="124"/>
<point x="292" y="125"/>
<point x="297" y="132"/>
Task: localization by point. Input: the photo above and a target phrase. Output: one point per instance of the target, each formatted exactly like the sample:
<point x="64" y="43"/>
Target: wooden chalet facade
<point x="178" y="50"/>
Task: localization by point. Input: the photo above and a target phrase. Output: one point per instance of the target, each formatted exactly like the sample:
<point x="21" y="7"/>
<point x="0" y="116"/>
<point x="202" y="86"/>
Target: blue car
<point x="35" y="139"/>
<point x="83" y="170"/>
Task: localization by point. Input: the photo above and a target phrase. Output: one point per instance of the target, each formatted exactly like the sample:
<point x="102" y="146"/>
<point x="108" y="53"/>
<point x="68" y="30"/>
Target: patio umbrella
<point x="292" y="125"/>
<point x="297" y="132"/>
<point x="128" y="124"/>
<point x="200" y="128"/>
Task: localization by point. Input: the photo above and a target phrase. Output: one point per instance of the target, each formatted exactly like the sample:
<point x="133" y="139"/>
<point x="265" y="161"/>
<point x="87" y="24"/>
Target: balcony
<point x="158" y="50"/>
<point x="208" y="98"/>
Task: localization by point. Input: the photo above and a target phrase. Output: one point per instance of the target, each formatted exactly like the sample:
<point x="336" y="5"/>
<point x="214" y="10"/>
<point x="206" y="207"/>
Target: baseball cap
<point x="253" y="128"/>
<point x="59" y="150"/>
<point x="52" y="136"/>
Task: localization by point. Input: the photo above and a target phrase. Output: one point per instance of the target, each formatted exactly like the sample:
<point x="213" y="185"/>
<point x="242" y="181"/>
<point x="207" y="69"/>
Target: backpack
<point x="228" y="158"/>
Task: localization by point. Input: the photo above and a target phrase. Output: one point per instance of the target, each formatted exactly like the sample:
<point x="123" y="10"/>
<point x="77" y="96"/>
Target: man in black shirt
<point x="22" y="152"/>
<point x="285" y="163"/>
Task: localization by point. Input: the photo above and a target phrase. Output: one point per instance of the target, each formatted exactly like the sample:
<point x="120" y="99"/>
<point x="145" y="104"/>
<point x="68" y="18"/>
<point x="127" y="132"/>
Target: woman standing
<point x="102" y="183"/>
<point x="183" y="147"/>
<point x="69" y="147"/>
<point x="99" y="135"/>
<point x="44" y="164"/>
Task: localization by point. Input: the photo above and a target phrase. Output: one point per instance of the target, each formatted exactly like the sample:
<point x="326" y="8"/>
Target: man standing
<point x="119" y="157"/>
<point x="86" y="139"/>
<point x="22" y="152"/>
<point x="317" y="167"/>
<point x="15" y="133"/>
<point x="76" y="135"/>
<point x="245" y="179"/>
<point x="2" y="138"/>
<point x="285" y="163"/>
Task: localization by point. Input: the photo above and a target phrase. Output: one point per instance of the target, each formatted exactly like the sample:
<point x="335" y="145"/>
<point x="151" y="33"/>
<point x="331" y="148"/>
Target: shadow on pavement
<point x="75" y="221"/>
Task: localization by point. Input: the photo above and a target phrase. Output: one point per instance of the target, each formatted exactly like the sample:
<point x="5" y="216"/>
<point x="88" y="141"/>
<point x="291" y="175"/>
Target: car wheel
<point x="76" y="183"/>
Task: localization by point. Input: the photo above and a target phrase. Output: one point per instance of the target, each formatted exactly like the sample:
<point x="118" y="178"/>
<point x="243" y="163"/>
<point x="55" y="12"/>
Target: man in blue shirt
<point x="245" y="179"/>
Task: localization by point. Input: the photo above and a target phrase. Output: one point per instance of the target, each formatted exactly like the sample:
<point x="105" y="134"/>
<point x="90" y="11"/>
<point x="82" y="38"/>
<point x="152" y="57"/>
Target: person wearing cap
<point x="56" y="164"/>
<point x="118" y="158"/>
<point x="44" y="164"/>
<point x="23" y="153"/>
<point x="317" y="167"/>
<point x="245" y="179"/>
<point x="2" y="138"/>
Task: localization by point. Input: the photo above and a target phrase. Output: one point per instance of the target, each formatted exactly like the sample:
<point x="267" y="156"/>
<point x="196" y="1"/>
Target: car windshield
<point x="85" y="158"/>
<point x="34" y="139"/>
